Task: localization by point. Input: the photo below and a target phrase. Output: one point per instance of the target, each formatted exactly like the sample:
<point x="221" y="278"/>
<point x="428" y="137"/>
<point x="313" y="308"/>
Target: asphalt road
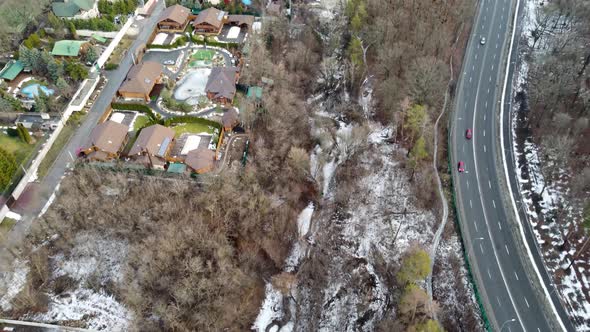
<point x="501" y="268"/>
<point x="64" y="160"/>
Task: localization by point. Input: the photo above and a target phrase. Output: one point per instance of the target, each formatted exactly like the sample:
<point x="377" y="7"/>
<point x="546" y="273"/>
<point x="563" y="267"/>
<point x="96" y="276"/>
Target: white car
<point x="168" y="62"/>
<point x="482" y="40"/>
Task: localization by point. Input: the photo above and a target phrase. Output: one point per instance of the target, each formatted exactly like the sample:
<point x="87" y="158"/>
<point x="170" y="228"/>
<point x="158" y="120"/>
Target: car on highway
<point x="461" y="167"/>
<point x="468" y="134"/>
<point x="168" y="62"/>
<point x="482" y="40"/>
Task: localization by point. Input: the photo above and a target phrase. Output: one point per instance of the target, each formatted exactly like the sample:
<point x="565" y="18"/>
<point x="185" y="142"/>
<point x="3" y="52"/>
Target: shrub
<point x="137" y="107"/>
<point x="111" y="66"/>
<point x="12" y="132"/>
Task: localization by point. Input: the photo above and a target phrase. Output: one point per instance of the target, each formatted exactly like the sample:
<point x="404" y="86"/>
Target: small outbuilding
<point x="200" y="160"/>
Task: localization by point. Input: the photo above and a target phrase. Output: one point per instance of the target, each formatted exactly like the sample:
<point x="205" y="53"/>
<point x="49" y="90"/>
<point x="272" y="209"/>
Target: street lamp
<point x="506" y="322"/>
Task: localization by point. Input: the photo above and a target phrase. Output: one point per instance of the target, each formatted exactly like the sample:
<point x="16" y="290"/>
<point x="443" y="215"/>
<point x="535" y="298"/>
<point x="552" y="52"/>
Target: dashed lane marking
<point x="484" y="148"/>
<point x="484" y="133"/>
<point x="494" y="203"/>
<point x="527" y="303"/>
<point x="489" y="184"/>
<point x="507" y="251"/>
<point x="470" y="204"/>
<point x="516" y="275"/>
<point x="500" y="225"/>
<point x="481" y="247"/>
<point x="489" y="274"/>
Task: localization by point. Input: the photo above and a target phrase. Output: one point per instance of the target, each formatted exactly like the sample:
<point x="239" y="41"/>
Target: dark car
<point x="461" y="167"/>
<point x="468" y="134"/>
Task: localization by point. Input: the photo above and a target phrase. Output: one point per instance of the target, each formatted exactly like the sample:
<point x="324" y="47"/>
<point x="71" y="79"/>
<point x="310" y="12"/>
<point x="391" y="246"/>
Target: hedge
<point x="111" y="66"/>
<point x="136" y="107"/>
<point x="191" y="119"/>
<point x="208" y="42"/>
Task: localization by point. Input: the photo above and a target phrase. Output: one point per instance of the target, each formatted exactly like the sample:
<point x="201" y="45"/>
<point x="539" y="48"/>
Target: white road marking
<point x="527" y="303"/>
<point x="470" y="79"/>
<point x="475" y="223"/>
<point x="488" y="88"/>
<point x="494" y="203"/>
<point x="492" y="67"/>
<point x="484" y="115"/>
<point x="467" y="183"/>
<point x="494" y="56"/>
<point x="508" y="251"/>
<point x="489" y="184"/>
<point x="484" y="133"/>
<point x="470" y="204"/>
<point x="490" y="81"/>
<point x="481" y="247"/>
<point x="465" y="104"/>
<point x="473" y="68"/>
<point x="499" y="225"/>
<point x="516" y="275"/>
<point x="484" y="148"/>
<point x="489" y="274"/>
<point x="498" y="36"/>
<point x="496" y="45"/>
<point x="475" y="56"/>
<point x="498" y="299"/>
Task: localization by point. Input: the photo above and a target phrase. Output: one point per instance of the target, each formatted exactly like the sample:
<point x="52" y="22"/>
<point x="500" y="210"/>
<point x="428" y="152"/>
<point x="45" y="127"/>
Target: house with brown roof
<point x="242" y="21"/>
<point x="106" y="141"/>
<point x="141" y="80"/>
<point x="230" y="119"/>
<point x="174" y="19"/>
<point x="200" y="160"/>
<point x="221" y="84"/>
<point x="152" y="146"/>
<point x="210" y="21"/>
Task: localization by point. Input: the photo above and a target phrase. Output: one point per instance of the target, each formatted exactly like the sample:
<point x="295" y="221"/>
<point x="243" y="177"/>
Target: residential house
<point x="153" y="146"/>
<point x="242" y="21"/>
<point x="174" y="19"/>
<point x="230" y="119"/>
<point x="11" y="70"/>
<point x="69" y="48"/>
<point x="141" y="80"/>
<point x="210" y="21"/>
<point x="200" y="160"/>
<point x="106" y="141"/>
<point x="75" y="8"/>
<point x="221" y="85"/>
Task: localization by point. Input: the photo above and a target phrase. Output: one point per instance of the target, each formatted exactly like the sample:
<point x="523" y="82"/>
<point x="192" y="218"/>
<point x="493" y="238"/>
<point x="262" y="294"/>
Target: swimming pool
<point x="247" y="2"/>
<point x="192" y="86"/>
<point x="31" y="91"/>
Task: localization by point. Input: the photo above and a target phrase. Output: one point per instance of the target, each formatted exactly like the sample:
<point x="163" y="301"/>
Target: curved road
<point x="509" y="288"/>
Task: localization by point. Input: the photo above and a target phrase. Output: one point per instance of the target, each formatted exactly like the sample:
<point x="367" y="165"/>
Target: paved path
<point x="64" y="160"/>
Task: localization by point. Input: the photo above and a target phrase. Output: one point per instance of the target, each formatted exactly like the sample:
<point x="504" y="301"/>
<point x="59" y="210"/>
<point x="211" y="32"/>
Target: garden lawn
<point x="20" y="149"/>
<point x="203" y="55"/>
<point x="193" y="128"/>
<point x="140" y="122"/>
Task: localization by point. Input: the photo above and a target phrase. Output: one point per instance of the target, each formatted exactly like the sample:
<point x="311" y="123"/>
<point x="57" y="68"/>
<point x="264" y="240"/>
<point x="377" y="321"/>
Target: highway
<point x="509" y="288"/>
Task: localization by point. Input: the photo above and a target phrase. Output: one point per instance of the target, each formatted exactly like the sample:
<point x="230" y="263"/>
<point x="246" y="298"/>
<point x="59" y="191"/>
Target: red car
<point x="461" y="167"/>
<point x="468" y="134"/>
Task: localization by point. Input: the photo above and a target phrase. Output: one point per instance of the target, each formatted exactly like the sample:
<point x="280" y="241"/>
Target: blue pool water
<point x="247" y="2"/>
<point x="31" y="91"/>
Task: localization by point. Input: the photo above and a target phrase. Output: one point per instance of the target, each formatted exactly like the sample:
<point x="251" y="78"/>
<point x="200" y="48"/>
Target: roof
<point x="11" y="70"/>
<point x="107" y="136"/>
<point x="211" y="16"/>
<point x="255" y="91"/>
<point x="241" y="19"/>
<point x="178" y="168"/>
<point x="142" y="77"/>
<point x="200" y="159"/>
<point x="65" y="9"/>
<point x="67" y="47"/>
<point x="69" y="8"/>
<point x="222" y="82"/>
<point x="153" y="139"/>
<point x="84" y="4"/>
<point x="230" y="118"/>
<point x="176" y="13"/>
<point x="33" y="117"/>
<point x="99" y="38"/>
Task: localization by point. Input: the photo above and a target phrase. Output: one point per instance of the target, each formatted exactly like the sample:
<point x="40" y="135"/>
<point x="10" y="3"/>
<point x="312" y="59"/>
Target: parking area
<point x="228" y="34"/>
<point x="162" y="57"/>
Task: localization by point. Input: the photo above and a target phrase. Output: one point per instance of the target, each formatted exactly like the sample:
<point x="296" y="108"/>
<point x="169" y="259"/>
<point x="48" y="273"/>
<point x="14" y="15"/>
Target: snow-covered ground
<point x="92" y="263"/>
<point x="542" y="201"/>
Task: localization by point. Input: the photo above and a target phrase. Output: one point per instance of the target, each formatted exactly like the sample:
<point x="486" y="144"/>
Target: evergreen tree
<point x="91" y="54"/>
<point x="24" y="134"/>
<point x="73" y="31"/>
<point x="41" y="102"/>
<point x="7" y="168"/>
<point x="62" y="85"/>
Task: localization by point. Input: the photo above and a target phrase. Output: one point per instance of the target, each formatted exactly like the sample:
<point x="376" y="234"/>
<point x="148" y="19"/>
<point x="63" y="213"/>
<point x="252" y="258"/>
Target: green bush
<point x="95" y="24"/>
<point x="111" y="66"/>
<point x="7" y="168"/>
<point x="209" y="42"/>
<point x="12" y="132"/>
<point x="137" y="107"/>
<point x="23" y="133"/>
